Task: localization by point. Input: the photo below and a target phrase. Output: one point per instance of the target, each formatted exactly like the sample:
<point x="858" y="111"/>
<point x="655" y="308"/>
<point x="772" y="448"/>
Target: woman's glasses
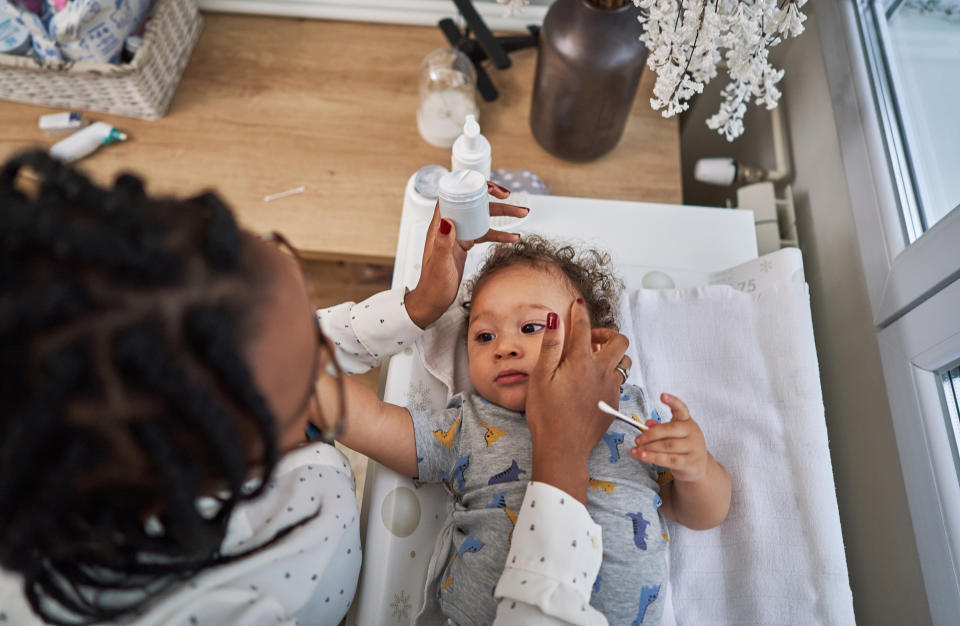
<point x="326" y="424"/>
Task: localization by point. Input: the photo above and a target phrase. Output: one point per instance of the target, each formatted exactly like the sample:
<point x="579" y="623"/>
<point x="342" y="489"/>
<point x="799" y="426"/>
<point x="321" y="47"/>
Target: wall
<point x="885" y="574"/>
<point x="422" y="12"/>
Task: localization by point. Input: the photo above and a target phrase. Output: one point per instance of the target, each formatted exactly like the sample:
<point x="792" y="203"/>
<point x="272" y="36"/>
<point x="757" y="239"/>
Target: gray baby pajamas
<point x="482" y="453"/>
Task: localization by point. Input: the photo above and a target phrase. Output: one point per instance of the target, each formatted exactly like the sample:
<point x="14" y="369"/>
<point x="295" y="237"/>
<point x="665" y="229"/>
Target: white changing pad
<point x="779" y="558"/>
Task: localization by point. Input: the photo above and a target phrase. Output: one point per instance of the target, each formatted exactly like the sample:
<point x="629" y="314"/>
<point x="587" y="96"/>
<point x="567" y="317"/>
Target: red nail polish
<point x="579" y="300"/>
<point x="553" y="321"/>
<point x="444" y="227"/>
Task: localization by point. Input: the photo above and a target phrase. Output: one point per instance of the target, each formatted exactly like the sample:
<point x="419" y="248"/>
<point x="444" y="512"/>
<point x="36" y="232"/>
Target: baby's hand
<point x="677" y="445"/>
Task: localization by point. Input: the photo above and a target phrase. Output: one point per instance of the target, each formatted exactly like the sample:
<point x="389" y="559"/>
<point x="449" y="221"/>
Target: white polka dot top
<point x="307" y="577"/>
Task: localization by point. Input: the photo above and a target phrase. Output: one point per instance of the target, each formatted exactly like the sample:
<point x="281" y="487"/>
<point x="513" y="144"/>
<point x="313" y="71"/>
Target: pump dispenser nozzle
<point x="471" y="150"/>
<point x="471" y="130"/>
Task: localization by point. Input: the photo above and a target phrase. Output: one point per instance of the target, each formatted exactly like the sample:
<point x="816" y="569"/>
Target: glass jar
<point x="448" y="93"/>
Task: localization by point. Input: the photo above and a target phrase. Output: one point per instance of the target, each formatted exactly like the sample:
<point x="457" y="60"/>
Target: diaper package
<point x="79" y="30"/>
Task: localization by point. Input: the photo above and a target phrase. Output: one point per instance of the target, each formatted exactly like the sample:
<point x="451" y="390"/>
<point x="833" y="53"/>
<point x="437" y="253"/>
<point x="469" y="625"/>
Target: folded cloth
<point x="443" y="350"/>
<point x="745" y="363"/>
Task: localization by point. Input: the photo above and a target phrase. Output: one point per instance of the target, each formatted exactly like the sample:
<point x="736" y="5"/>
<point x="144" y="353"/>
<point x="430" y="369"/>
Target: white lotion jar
<point x="464" y="201"/>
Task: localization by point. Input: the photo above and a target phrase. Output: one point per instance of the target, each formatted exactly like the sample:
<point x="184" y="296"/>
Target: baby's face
<point x="508" y="315"/>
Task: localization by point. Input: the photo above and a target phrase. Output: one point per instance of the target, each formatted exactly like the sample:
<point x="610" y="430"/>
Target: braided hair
<point x="125" y="394"/>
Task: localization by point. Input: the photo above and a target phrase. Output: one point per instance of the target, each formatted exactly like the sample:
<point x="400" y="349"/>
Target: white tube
<point x="85" y="141"/>
<point x="55" y="122"/>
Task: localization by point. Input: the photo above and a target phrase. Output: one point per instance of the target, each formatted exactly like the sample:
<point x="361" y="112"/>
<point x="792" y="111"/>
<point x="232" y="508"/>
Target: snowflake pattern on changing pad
<point x="400" y="607"/>
<point x="419" y="397"/>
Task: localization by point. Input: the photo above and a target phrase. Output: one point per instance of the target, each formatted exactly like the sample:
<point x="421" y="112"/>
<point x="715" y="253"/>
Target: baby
<point x="480" y="447"/>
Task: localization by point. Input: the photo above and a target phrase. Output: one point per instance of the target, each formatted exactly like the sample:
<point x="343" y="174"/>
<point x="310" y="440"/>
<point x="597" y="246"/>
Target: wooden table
<point x="268" y="104"/>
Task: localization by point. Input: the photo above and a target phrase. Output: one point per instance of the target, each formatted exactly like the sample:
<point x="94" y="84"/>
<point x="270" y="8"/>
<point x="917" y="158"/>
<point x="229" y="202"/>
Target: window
<point x="893" y="68"/>
<point x="950" y="380"/>
<point x="914" y="51"/>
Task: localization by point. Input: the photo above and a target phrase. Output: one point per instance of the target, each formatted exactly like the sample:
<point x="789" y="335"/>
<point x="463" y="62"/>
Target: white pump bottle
<point x="471" y="150"/>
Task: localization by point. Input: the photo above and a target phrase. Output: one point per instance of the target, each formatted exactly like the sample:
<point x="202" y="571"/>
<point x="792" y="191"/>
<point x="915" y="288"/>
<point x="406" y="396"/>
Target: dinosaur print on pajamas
<point x="446" y="437"/>
<point x="647" y="595"/>
<point x="459" y="469"/>
<point x="509" y="475"/>
<point x="493" y="433"/>
<point x="499" y="501"/>
<point x="601" y="485"/>
<point x="613" y="441"/>
<point x="639" y="530"/>
<point x="470" y="544"/>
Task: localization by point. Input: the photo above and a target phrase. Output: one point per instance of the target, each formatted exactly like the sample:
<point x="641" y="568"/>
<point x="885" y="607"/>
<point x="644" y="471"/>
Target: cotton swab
<point x="284" y="194"/>
<point x="633" y="420"/>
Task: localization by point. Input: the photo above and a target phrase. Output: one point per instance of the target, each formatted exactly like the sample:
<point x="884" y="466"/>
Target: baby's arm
<point x="698" y="504"/>
<point x="699" y="494"/>
<point x="382" y="431"/>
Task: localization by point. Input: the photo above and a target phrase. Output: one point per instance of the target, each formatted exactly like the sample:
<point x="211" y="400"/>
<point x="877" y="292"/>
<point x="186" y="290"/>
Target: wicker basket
<point x="142" y="88"/>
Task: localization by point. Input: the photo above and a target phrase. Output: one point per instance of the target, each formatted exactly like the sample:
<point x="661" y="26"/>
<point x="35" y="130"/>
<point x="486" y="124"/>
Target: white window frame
<point x="913" y="349"/>
<point x="915" y="299"/>
<point x="415" y="12"/>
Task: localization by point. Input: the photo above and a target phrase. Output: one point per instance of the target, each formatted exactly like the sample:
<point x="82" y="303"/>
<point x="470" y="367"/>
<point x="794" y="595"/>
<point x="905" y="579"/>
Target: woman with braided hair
<point x="160" y="369"/>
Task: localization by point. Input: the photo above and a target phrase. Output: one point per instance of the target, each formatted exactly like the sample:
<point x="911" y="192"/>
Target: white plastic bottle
<point x="85" y="141"/>
<point x="471" y="150"/>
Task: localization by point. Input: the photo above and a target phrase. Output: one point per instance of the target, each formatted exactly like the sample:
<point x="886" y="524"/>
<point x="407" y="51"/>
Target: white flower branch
<point x="514" y="7"/>
<point x="688" y="39"/>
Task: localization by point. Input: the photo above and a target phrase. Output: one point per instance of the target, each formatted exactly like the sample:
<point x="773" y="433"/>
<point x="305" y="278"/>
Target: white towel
<point x="746" y="365"/>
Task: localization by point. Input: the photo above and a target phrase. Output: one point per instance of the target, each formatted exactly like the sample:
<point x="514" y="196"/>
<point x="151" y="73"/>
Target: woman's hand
<point x="443" y="259"/>
<point x="570" y="378"/>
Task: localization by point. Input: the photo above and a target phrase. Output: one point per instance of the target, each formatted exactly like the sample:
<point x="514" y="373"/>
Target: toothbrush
<point x="633" y="421"/>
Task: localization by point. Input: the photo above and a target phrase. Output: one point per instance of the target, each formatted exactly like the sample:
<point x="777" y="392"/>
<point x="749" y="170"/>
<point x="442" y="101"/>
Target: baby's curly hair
<point x="588" y="271"/>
